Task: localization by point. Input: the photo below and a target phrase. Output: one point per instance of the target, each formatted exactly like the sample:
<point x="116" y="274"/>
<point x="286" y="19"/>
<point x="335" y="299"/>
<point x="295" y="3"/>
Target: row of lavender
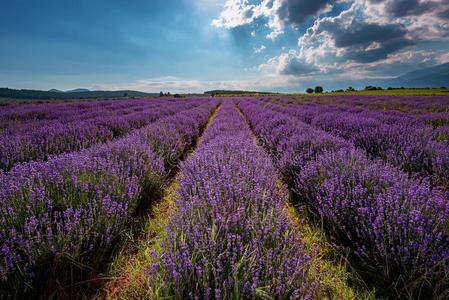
<point x="398" y="138"/>
<point x="24" y="113"/>
<point x="229" y="238"/>
<point x="22" y="117"/>
<point x="417" y="117"/>
<point x="60" y="215"/>
<point x="394" y="228"/>
<point x="415" y="104"/>
<point x="49" y="137"/>
<point x="46" y="115"/>
<point x="415" y="114"/>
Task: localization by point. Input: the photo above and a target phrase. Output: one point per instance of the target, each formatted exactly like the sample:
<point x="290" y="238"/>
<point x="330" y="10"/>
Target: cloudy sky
<point x="197" y="45"/>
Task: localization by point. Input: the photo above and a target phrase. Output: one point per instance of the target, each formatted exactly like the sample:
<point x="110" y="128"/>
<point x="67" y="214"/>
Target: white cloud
<point x="236" y="13"/>
<point x="241" y="12"/>
<point x="274" y="34"/>
<point x="268" y="82"/>
<point x="277" y="13"/>
<point x="260" y="49"/>
<point x="289" y="63"/>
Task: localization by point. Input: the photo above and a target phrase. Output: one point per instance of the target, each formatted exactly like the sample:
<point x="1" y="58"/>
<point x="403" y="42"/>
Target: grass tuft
<point x="127" y="271"/>
<point x="331" y="270"/>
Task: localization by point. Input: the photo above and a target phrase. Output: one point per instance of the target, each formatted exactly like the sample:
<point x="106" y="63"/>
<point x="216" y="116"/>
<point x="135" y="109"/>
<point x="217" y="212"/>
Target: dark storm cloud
<point x="387" y="47"/>
<point x="296" y="12"/>
<point x="365" y="42"/>
<point x="404" y="8"/>
<point x="444" y="14"/>
<point x="364" y="33"/>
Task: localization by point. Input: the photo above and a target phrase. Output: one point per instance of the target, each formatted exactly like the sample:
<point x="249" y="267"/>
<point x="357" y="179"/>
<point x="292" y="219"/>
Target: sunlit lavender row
<point x="229" y="237"/>
<point x="408" y="103"/>
<point x="50" y="134"/>
<point x="416" y="144"/>
<point x="64" y="214"/>
<point x="395" y="228"/>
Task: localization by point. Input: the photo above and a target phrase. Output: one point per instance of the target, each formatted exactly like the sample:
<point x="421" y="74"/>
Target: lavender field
<point x="245" y="176"/>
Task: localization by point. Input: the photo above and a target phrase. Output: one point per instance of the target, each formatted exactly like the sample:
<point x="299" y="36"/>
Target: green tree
<point x="350" y="89"/>
<point x="309" y="91"/>
<point x="318" y="89"/>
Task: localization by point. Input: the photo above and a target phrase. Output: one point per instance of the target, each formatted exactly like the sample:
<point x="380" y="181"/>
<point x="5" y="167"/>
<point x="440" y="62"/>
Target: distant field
<point x="403" y="92"/>
<point x="11" y="101"/>
<point x="400" y="92"/>
<point x="328" y="196"/>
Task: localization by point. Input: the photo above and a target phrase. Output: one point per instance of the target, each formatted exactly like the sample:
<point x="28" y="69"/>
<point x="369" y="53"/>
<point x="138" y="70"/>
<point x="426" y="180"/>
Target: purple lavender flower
<point x="78" y="203"/>
<point x="229" y="223"/>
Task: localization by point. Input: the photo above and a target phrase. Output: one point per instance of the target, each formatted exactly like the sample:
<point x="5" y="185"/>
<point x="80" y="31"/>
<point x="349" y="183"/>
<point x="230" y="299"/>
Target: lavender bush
<point x="398" y="138"/>
<point x="292" y="144"/>
<point x="229" y="237"/>
<point x="49" y="137"/>
<point x="394" y="227"/>
<point x="67" y="212"/>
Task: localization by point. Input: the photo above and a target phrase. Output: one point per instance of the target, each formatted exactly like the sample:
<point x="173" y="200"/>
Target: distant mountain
<point x="77" y="91"/>
<point x="84" y="94"/>
<point x="69" y="91"/>
<point x="435" y="77"/>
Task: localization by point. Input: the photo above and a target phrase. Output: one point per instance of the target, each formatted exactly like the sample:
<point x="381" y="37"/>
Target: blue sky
<point x="193" y="46"/>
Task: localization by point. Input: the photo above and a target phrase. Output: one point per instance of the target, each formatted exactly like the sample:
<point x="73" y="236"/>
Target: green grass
<point x="331" y="270"/>
<point x="127" y="271"/>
